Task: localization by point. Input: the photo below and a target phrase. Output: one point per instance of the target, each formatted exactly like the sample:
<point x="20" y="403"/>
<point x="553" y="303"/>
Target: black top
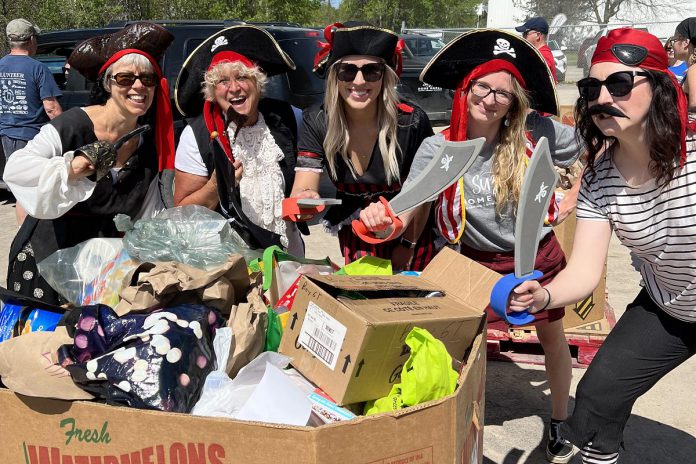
<point x="356" y="193"/>
<point x="93" y="217"/>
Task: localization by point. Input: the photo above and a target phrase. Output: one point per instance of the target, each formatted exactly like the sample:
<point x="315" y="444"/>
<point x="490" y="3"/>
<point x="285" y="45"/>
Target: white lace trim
<point x="262" y="186"/>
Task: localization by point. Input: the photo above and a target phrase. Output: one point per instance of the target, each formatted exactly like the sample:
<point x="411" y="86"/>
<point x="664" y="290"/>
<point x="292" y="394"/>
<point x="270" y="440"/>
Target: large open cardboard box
<point x="449" y="430"/>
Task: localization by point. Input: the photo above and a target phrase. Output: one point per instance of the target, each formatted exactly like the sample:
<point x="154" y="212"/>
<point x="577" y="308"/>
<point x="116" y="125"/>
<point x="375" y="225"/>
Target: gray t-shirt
<point x="485" y="230"/>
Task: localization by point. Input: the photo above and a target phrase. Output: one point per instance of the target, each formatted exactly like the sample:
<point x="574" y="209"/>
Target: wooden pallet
<point x="523" y="346"/>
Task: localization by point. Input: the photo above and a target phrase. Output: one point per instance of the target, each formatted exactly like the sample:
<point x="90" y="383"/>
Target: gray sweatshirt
<point x="485" y="230"/>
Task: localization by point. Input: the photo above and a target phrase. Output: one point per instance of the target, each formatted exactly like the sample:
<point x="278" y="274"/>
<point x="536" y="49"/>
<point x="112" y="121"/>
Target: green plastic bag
<point x="274" y="332"/>
<point x="367" y="265"/>
<point x="427" y="375"/>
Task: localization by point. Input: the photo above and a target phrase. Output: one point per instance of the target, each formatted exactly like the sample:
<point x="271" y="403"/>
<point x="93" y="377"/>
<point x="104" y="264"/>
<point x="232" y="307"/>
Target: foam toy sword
<point x="448" y="165"/>
<point x="537" y="189"/>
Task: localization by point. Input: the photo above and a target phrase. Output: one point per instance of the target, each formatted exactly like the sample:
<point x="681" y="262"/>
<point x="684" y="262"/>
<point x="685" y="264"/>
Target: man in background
<point x="535" y="32"/>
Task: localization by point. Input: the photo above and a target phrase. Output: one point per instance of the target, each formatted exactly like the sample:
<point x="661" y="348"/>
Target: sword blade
<point x="448" y="165"/>
<point x="537" y="189"/>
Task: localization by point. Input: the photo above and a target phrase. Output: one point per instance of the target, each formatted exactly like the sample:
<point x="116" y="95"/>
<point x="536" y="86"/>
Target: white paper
<point x="322" y="335"/>
<point x="278" y="400"/>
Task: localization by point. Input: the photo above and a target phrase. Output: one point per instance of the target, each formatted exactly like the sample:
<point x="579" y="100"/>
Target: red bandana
<point x="164" y="122"/>
<point x="655" y="60"/>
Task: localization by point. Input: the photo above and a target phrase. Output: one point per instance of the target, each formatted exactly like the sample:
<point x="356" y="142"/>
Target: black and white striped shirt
<point x="656" y="224"/>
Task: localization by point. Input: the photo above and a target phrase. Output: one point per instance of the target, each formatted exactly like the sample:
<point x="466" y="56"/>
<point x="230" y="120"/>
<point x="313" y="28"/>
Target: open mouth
<point x="239" y="101"/>
<point x="359" y="94"/>
<point x="136" y="98"/>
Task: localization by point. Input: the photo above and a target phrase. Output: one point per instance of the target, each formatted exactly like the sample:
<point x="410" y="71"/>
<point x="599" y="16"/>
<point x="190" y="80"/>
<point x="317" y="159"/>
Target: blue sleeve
<point x="45" y="83"/>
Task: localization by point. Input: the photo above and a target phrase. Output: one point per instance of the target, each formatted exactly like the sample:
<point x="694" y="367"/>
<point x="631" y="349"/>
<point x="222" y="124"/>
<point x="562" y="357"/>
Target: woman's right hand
<point x="80" y="167"/>
<point x="375" y="218"/>
<point x="306" y="193"/>
<point x="529" y="295"/>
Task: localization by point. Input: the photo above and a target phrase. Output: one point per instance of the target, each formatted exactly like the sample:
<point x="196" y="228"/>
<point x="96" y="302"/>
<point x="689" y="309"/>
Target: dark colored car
<point x="435" y="101"/>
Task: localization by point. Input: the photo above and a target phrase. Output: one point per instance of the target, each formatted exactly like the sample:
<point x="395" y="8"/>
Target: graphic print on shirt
<point x="479" y="191"/>
<point x="14" y="93"/>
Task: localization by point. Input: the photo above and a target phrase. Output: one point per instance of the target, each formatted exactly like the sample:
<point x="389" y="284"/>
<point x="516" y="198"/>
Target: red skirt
<point x="550" y="260"/>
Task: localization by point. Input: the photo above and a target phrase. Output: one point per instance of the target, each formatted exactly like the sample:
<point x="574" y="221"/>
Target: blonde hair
<point x="226" y="68"/>
<point x="337" y="135"/>
<point x="510" y="158"/>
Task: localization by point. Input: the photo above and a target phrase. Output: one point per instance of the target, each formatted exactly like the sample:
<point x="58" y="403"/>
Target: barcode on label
<point x="322" y="335"/>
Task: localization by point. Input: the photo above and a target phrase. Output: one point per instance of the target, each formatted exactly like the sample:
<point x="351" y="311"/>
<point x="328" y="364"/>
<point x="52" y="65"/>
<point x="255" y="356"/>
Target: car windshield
<point x="553" y="45"/>
<point x="424" y="46"/>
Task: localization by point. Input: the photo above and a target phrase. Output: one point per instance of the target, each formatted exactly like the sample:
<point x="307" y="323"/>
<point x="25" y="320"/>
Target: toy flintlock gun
<point x="537" y="189"/>
<point x="102" y="154"/>
<point x="448" y="165"/>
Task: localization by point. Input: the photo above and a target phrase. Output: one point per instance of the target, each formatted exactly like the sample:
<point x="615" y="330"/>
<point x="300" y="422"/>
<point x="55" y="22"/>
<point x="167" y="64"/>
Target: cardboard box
<point x="591" y="309"/>
<point x="446" y="431"/>
<point x="354" y="349"/>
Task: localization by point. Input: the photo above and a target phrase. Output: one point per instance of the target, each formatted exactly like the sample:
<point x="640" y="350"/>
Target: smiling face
<point x="634" y="105"/>
<point x="486" y="111"/>
<point x="237" y="89"/>
<point x="360" y="93"/>
<point x="134" y="99"/>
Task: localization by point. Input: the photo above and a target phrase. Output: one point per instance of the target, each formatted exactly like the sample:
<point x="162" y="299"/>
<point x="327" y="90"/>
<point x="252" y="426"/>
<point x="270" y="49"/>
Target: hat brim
<point x="471" y="49"/>
<point x="251" y="41"/>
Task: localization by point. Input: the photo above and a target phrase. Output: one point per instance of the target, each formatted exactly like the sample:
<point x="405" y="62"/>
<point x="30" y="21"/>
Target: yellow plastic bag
<point x="367" y="265"/>
<point x="427" y="375"/>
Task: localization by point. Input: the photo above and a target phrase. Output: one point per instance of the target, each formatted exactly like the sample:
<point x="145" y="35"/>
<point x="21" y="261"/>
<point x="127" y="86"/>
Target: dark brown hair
<point x="663" y="130"/>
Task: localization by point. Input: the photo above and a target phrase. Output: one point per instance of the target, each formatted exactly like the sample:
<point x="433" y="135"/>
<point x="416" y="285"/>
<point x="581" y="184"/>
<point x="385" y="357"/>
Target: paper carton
<point x="446" y="431"/>
<point x="354" y="348"/>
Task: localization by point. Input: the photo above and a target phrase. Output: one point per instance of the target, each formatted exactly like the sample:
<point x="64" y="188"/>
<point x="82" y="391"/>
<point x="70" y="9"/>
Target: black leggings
<point x="645" y="345"/>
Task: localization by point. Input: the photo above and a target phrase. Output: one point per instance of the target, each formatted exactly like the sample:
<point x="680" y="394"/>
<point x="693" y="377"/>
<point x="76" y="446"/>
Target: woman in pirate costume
<point x="497" y="78"/>
<point x="237" y="154"/>
<point x="88" y="164"/>
<point x="366" y="137"/>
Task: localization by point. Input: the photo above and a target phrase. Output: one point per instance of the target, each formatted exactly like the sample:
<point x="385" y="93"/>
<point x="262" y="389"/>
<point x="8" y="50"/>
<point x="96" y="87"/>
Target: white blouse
<point x="37" y="175"/>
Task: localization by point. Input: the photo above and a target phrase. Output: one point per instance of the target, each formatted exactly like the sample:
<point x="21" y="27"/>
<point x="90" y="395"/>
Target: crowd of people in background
<point x="242" y="154"/>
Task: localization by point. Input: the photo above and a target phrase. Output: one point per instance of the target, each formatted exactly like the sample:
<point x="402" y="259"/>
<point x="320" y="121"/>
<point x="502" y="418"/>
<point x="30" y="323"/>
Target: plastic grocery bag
<point x="190" y="234"/>
<point x="367" y="265"/>
<point x="92" y="272"/>
<point x="427" y="375"/>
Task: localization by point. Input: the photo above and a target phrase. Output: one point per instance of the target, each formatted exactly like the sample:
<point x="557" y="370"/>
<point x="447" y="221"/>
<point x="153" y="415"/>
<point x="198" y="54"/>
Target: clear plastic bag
<point x="92" y="272"/>
<point x="190" y="234"/>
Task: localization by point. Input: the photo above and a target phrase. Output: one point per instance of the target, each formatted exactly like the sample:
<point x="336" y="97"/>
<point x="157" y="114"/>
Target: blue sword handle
<point x="500" y="295"/>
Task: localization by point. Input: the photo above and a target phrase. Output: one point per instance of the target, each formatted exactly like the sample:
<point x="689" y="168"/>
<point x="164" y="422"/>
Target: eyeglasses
<point x="372" y="72"/>
<point x="482" y="90"/>
<point x="127" y="79"/>
<point x="628" y="54"/>
<point x="618" y="84"/>
<point x="226" y="82"/>
<point x="525" y="34"/>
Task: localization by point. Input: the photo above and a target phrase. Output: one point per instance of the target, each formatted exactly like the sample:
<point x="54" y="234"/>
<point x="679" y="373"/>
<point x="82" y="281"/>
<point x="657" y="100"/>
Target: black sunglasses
<point x="619" y="84"/>
<point x="371" y="72"/>
<point x="127" y="79"/>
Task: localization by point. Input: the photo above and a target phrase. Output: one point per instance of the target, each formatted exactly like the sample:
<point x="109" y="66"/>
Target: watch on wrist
<point x="407" y="243"/>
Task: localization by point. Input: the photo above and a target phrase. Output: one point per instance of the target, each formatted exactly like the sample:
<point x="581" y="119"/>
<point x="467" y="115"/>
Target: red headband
<point x="656" y="60"/>
<point x="458" y="121"/>
<point x="230" y="57"/>
<point x="164" y="122"/>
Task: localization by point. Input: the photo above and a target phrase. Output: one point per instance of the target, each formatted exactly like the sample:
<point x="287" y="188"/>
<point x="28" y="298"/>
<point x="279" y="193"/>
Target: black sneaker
<point x="559" y="451"/>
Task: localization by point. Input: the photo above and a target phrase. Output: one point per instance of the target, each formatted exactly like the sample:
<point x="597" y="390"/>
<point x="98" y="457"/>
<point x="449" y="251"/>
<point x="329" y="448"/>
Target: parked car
<point x="560" y="59"/>
<point x="435" y="101"/>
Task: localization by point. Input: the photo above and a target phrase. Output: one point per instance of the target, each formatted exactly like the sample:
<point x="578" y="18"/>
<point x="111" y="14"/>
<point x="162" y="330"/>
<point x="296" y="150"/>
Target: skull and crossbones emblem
<point x="503" y="46"/>
<point x="219" y="42"/>
<point x="445" y="161"/>
<point x="543" y="191"/>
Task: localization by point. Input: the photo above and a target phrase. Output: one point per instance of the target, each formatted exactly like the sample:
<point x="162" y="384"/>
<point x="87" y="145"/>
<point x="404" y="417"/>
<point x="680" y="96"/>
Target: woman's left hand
<point x="238" y="172"/>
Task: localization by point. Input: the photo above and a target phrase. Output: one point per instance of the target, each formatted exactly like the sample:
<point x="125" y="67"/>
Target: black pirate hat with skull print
<point x="459" y="57"/>
<point x="247" y="44"/>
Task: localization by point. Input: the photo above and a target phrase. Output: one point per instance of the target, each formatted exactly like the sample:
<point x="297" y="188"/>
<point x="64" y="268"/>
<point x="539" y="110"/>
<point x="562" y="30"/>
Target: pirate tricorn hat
<point x="359" y="40"/>
<point x="250" y="45"/>
<point x="90" y="56"/>
<point x="459" y="57"/>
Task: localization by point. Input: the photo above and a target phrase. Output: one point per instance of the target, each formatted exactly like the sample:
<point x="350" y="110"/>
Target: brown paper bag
<point x="249" y="322"/>
<point x="154" y="285"/>
<point x="29" y="366"/>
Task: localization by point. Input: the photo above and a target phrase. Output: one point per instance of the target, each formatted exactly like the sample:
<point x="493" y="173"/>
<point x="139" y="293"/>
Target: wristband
<point x="407" y="243"/>
<point x="548" y="301"/>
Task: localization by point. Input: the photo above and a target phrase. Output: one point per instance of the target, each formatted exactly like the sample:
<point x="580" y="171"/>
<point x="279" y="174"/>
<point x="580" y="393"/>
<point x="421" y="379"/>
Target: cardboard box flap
<point x="410" y="310"/>
<point x="462" y="278"/>
<point x="373" y="283"/>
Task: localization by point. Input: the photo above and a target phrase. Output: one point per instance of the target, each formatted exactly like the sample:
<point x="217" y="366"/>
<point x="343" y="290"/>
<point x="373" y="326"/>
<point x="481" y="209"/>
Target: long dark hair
<point x="663" y="130"/>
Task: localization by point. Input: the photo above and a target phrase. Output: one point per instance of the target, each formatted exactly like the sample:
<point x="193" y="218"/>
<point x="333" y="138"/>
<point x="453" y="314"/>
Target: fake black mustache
<point x="606" y="109"/>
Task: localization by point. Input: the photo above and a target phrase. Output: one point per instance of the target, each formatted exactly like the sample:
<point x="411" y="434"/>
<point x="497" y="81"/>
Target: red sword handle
<point x="369" y="237"/>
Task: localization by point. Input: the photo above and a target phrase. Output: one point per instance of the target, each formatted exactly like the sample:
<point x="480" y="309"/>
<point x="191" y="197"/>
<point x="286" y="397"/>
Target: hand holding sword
<point x="535" y="196"/>
<point x="381" y="221"/>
